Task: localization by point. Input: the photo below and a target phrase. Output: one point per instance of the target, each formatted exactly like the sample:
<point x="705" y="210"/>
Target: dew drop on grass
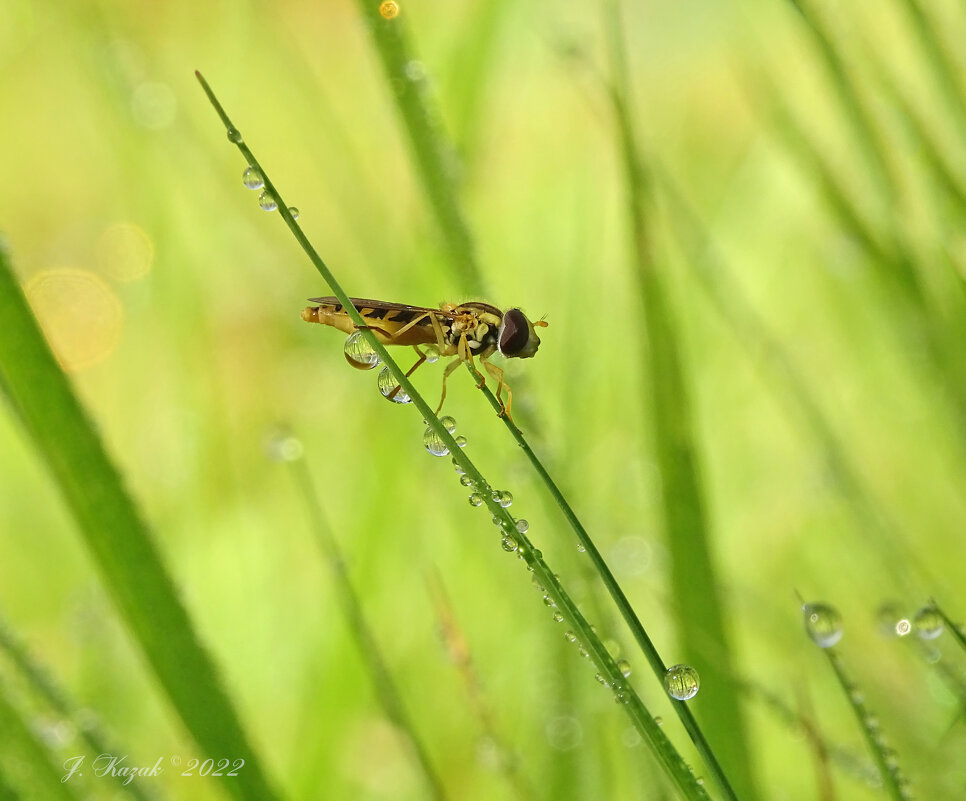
<point x="285" y="448"/>
<point x="509" y="543"/>
<point x="466" y="481"/>
<point x="823" y="624"/>
<point x="294" y="212"/>
<point x="928" y="623"/>
<point x="475" y="499"/>
<point x="571" y="637"/>
<point x="434" y="444"/>
<point x="602" y="680"/>
<point x="461" y="441"/>
<point x="557" y="617"/>
<point x="681" y="682"/>
<point x="234" y="136"/>
<point x="252" y="179"/>
<point x="359" y="353"/>
<point x="387" y="384"/>
<point x="449" y="423"/>
<point x="903" y="627"/>
<point x="523" y="527"/>
<point x="581" y="548"/>
<point x="658" y="721"/>
<point x="458" y="467"/>
<point x="267" y="201"/>
<point x="505" y="499"/>
<point x="624" y="667"/>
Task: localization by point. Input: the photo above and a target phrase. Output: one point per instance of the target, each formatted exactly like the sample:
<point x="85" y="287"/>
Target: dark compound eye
<point x="514" y="333"/>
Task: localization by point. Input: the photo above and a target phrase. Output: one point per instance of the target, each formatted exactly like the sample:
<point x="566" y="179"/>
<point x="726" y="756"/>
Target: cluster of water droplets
<point x="252" y="179"/>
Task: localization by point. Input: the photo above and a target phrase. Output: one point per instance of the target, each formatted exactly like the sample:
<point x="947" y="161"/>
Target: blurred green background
<point x="174" y="302"/>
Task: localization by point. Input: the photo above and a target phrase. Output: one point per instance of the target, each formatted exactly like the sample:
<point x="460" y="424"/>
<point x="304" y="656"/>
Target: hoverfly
<point x="464" y="330"/>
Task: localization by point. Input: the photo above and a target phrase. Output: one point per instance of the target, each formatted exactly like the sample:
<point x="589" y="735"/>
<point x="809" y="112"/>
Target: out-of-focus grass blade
<point x="695" y="585"/>
<point x="39" y="680"/>
<point x="26" y="771"/>
<point x="434" y="156"/>
<point x="942" y="64"/>
<point x="118" y="539"/>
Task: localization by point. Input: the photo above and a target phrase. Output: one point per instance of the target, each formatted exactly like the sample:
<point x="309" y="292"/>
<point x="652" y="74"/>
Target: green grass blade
<point x="435" y="157"/>
<point x="944" y="68"/>
<point x="118" y="540"/>
<point x="26" y="769"/>
<point x="892" y="779"/>
<point x="686" y="527"/>
<point x="40" y="682"/>
<point x="644" y="642"/>
<point x="716" y="276"/>
<point x="555" y="594"/>
<point x="382" y="680"/>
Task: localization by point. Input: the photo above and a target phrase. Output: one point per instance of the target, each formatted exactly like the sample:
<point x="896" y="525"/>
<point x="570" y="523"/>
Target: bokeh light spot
<point x="79" y="314"/>
<point x="124" y="252"/>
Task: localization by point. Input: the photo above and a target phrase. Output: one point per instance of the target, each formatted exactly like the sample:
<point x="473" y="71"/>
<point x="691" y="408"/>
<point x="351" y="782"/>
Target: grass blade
<point x="382" y="680"/>
<point x="27" y="770"/>
<point x="118" y="540"/>
<point x="687" y="532"/>
<point x="435" y="158"/>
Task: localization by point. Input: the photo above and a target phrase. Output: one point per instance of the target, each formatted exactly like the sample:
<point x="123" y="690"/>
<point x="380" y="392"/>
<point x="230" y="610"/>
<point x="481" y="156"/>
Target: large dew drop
<point x="682" y="682"/>
<point x="822" y="624"/>
<point x="359" y="353"/>
<point x="387" y="384"/>
<point x="252" y="179"/>
<point x="928" y="622"/>
<point x="434" y="443"/>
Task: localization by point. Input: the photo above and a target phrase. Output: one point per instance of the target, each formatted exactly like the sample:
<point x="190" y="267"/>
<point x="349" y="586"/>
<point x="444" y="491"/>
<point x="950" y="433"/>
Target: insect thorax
<point x="480" y="324"/>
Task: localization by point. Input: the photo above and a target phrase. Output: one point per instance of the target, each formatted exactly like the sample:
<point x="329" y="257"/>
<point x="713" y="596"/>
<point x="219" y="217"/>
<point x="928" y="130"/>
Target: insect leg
<point x="466" y="355"/>
<point x="497" y="373"/>
<point x="446" y="374"/>
<point x="422" y="358"/>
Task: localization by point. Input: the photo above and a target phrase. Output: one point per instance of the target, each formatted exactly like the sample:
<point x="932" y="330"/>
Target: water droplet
<point x="887" y="616"/>
<point x="564" y="733"/>
<point x="823" y="624"/>
<point x="681" y="682"/>
<point x="557" y="617"/>
<point x="387" y="386"/>
<point x="523" y="527"/>
<point x="475" y="499"/>
<point x="359" y="353"/>
<point x="449" y="423"/>
<point x="505" y="499"/>
<point x="458" y="467"/>
<point x="461" y="441"/>
<point x="581" y="548"/>
<point x="389" y="9"/>
<point x="602" y="680"/>
<point x="583" y="652"/>
<point x="434" y="443"/>
<point x="252" y="179"/>
<point x="234" y="136"/>
<point x="624" y="667"/>
<point x="267" y="201"/>
<point x="431" y="352"/>
<point x="415" y="70"/>
<point x="658" y="721"/>
<point x="294" y="212"/>
<point x="903" y="627"/>
<point x="548" y="601"/>
<point x="509" y="543"/>
<point x="570" y="636"/>
<point x="466" y="481"/>
<point x="285" y="448"/>
<point x="928" y="623"/>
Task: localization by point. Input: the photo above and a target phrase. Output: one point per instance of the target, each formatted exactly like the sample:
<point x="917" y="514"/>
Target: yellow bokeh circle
<point x="79" y="314"/>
